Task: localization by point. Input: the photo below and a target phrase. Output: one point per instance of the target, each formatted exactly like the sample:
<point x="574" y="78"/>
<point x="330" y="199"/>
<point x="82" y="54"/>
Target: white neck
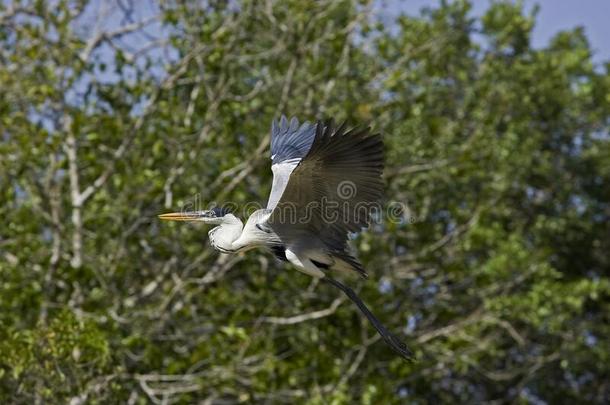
<point x="223" y="236"/>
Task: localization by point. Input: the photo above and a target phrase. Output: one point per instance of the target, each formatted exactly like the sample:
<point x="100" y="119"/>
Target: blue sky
<point x="554" y="16"/>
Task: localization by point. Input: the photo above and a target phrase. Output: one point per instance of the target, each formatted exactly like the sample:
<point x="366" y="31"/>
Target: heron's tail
<point x="345" y="261"/>
<point x="391" y="339"/>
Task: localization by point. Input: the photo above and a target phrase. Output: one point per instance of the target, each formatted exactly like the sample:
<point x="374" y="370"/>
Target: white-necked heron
<point x="326" y="183"/>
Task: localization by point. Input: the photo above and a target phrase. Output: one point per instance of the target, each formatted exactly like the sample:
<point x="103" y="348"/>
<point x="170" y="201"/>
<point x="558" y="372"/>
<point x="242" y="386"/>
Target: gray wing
<point x="334" y="188"/>
<point x="290" y="142"/>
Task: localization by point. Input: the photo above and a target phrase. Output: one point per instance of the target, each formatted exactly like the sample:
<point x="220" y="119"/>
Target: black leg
<point x="391" y="339"/>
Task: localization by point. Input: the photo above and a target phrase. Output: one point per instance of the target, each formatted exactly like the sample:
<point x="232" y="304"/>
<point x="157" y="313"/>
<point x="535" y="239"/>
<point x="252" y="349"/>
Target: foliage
<point x="498" y="153"/>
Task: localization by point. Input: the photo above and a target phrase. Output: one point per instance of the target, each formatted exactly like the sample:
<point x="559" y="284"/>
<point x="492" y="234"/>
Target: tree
<point x="491" y="256"/>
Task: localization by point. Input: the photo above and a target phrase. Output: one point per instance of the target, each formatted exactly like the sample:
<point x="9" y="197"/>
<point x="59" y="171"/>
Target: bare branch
<point x="305" y="317"/>
<point x="101" y="37"/>
<point x="76" y="197"/>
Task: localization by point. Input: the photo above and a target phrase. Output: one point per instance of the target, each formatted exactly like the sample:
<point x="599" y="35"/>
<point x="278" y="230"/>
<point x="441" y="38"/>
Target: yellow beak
<point x="180" y="216"/>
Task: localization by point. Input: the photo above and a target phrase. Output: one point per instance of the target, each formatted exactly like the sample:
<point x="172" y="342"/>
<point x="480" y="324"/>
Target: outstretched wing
<point x="334" y="188"/>
<point x="289" y="144"/>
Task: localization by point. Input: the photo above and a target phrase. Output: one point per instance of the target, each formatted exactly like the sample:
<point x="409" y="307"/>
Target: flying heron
<point x="326" y="182"/>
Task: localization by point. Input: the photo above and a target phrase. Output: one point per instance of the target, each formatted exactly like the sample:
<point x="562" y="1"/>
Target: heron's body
<point x="233" y="236"/>
<point x="326" y="183"/>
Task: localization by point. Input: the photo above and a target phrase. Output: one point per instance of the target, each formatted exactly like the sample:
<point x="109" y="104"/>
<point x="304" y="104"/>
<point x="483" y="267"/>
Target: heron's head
<point x="215" y="216"/>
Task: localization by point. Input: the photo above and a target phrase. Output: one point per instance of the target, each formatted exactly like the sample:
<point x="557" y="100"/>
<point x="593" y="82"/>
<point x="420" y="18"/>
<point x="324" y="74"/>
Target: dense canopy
<point x="490" y="257"/>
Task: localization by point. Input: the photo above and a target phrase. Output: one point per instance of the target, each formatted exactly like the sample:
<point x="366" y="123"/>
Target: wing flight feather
<point x="333" y="189"/>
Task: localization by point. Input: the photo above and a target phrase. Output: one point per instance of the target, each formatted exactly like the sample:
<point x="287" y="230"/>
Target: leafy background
<point x="114" y="111"/>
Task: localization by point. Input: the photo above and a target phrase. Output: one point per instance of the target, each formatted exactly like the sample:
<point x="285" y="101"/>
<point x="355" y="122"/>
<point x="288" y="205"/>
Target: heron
<point x="327" y="181"/>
